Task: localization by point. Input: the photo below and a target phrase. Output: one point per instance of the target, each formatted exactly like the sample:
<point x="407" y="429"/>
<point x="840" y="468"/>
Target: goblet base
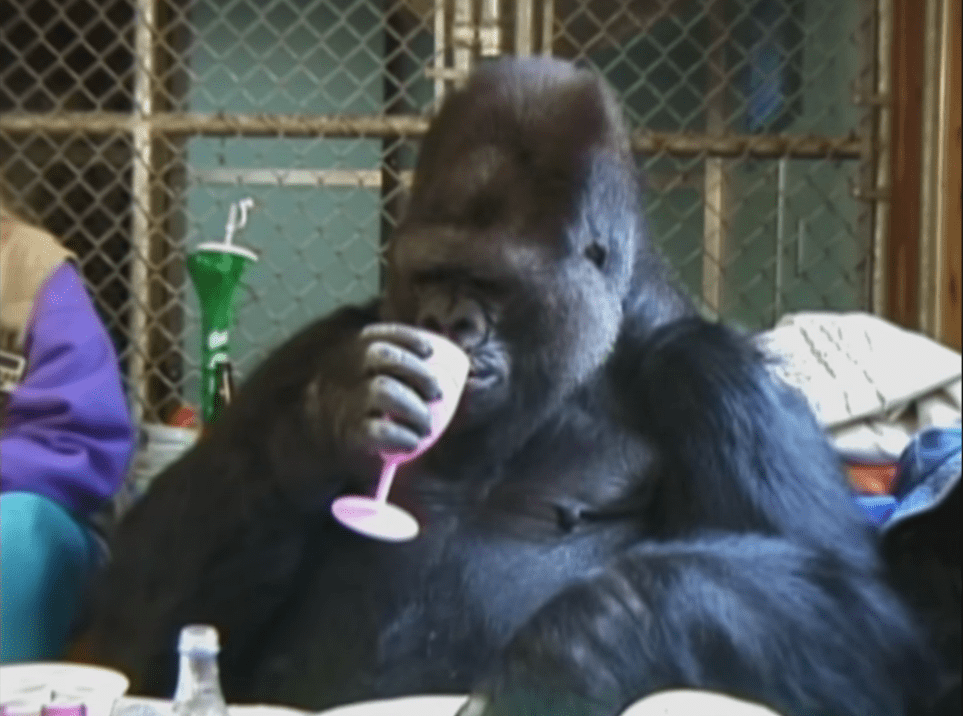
<point x="374" y="518"/>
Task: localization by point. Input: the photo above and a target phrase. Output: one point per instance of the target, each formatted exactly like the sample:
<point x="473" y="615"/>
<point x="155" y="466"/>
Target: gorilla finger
<point x="384" y="435"/>
<point x="395" y="399"/>
<point x="401" y="334"/>
<point x="386" y="358"/>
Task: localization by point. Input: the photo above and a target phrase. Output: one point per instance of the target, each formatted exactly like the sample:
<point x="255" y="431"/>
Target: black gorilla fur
<point x="625" y="502"/>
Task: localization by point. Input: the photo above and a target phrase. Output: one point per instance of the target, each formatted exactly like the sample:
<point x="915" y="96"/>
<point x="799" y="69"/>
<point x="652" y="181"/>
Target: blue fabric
<point x="879" y="508"/>
<point x="927" y="472"/>
<point x="929" y="469"/>
<point x="46" y="560"/>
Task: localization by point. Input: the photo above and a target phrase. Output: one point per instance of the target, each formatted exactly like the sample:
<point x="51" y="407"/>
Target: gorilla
<point x="625" y="502"/>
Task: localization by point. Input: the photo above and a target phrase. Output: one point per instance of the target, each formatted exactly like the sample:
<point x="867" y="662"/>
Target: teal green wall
<point x="819" y="192"/>
<point x="318" y="246"/>
<point x="658" y="88"/>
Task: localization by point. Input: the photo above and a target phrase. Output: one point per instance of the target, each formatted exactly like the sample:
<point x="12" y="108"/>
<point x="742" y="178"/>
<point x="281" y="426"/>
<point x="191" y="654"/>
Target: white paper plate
<point x="132" y="706"/>
<point x="264" y="710"/>
<point x="26" y="685"/>
<point x="407" y="706"/>
<point x="413" y="705"/>
<point x="695" y="703"/>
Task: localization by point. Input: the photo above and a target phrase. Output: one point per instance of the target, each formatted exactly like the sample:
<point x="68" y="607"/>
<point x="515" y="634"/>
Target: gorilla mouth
<point x="482" y="374"/>
<point x="481" y="378"/>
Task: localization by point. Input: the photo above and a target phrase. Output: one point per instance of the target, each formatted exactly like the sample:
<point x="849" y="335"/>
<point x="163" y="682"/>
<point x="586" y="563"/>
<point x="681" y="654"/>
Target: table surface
<point x="415" y="705"/>
<point x="669" y="703"/>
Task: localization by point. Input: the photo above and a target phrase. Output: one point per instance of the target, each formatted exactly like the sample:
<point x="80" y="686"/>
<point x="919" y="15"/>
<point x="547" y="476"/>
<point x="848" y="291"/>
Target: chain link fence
<point x="129" y="127"/>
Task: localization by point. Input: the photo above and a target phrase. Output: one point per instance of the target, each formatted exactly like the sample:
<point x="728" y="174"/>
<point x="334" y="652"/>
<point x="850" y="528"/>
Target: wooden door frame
<point x="922" y="253"/>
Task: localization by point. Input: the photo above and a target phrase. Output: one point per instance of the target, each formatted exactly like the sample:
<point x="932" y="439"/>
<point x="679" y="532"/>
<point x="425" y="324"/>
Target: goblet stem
<point x="384" y="483"/>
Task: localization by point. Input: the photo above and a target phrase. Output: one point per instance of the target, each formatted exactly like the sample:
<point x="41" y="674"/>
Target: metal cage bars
<point x="463" y="30"/>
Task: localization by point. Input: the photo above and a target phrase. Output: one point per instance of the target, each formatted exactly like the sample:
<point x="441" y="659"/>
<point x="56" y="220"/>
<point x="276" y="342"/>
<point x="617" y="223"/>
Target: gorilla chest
<point x="489" y="557"/>
<point x="468" y="587"/>
<point x="430" y="614"/>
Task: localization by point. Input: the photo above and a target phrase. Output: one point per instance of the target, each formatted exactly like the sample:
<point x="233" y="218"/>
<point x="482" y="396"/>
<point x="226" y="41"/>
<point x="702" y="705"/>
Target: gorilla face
<point x="532" y="319"/>
<point x="486" y="256"/>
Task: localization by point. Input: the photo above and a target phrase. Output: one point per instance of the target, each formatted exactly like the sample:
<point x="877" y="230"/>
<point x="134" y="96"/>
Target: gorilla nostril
<point x="462" y="320"/>
<point x="462" y="326"/>
<point x="467" y="332"/>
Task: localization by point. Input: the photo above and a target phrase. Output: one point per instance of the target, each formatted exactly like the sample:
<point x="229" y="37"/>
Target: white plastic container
<point x="34" y="685"/>
<point x="159" y="445"/>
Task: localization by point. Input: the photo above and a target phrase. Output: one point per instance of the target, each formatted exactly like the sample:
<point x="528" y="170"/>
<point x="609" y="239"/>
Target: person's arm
<point x="68" y="433"/>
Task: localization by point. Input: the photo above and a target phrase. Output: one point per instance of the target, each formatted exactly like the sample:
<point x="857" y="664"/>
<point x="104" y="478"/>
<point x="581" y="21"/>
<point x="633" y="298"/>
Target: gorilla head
<point x="522" y="235"/>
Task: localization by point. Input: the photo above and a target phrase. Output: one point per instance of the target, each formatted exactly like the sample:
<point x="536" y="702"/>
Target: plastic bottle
<point x="198" y="690"/>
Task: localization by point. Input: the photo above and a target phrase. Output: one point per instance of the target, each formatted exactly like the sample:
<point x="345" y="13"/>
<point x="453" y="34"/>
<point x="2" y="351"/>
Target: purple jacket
<point x="68" y="434"/>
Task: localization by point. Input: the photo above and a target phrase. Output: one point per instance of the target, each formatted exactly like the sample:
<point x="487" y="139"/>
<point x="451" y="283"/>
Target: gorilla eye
<point x="595" y="253"/>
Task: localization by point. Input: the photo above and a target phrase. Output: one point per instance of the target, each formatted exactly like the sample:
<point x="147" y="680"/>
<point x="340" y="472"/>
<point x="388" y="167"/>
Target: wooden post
<point x="951" y="189"/>
<point x="142" y="215"/>
<point x="716" y="212"/>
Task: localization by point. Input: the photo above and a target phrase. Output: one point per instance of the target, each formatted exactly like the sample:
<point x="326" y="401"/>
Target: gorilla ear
<point x="596" y="253"/>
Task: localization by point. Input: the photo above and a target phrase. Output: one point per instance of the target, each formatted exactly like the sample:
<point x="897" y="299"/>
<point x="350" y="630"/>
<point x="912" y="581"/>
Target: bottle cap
<point x="198" y="637"/>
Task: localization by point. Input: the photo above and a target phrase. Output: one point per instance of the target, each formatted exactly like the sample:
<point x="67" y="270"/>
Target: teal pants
<point x="46" y="560"/>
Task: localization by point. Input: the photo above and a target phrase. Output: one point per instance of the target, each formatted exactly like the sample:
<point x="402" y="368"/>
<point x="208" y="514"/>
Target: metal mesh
<point x="128" y="128"/>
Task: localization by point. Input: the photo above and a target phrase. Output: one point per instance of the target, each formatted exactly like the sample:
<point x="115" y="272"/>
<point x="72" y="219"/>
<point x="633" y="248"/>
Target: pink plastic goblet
<point x="375" y="516"/>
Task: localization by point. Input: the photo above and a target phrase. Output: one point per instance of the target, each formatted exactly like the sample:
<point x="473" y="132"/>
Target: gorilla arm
<point x="751" y="616"/>
<point x="222" y="533"/>
<point x="762" y="580"/>
<point x="219" y="536"/>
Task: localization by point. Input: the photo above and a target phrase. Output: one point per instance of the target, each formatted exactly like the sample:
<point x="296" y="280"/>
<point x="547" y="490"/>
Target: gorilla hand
<point x="385" y="407"/>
